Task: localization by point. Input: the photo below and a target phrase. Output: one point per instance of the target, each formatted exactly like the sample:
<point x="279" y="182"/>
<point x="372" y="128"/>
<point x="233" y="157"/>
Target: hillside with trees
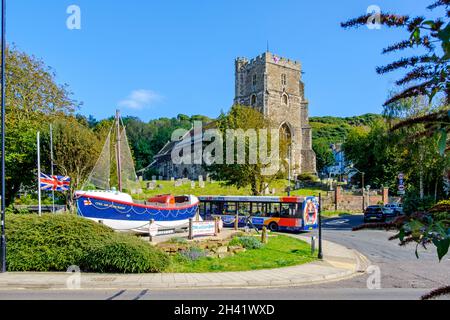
<point x="328" y="130"/>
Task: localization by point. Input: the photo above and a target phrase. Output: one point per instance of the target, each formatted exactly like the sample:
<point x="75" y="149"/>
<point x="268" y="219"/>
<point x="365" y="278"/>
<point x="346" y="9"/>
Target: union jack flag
<point x="55" y="183"/>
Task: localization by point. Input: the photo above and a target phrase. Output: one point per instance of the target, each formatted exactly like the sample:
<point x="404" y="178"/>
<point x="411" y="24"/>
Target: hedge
<point x="55" y="242"/>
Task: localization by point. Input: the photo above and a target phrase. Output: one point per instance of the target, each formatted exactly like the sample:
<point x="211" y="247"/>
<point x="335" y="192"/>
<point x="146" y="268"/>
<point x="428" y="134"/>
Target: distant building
<point x="272" y="85"/>
<point x="340" y="164"/>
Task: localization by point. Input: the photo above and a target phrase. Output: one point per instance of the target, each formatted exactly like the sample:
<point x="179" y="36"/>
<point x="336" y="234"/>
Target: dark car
<point x="374" y="213"/>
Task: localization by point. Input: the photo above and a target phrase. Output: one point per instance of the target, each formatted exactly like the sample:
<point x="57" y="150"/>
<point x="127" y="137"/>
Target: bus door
<point x="258" y="213"/>
<point x="291" y="215"/>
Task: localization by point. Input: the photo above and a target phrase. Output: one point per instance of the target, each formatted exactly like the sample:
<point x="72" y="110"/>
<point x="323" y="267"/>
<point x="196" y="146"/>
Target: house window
<point x="283" y="80"/>
<point x="254" y="79"/>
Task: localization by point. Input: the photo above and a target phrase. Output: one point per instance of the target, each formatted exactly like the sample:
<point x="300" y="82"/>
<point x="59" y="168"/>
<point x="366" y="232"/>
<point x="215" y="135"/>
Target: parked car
<point x="397" y="207"/>
<point x="374" y="213"/>
<point x="379" y="213"/>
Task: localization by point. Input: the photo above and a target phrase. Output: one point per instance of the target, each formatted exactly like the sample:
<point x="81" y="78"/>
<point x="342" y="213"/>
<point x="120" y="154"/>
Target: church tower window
<point x="283" y="80"/>
<point x="253" y="100"/>
<point x="285" y="99"/>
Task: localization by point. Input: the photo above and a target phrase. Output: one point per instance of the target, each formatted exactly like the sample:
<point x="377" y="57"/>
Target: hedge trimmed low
<point x="55" y="242"/>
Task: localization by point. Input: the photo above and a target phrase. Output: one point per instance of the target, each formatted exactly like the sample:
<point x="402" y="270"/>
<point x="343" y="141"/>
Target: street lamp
<point x="3" y="97"/>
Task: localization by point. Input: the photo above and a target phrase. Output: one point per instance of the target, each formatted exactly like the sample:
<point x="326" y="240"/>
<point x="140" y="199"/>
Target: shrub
<point x="413" y="203"/>
<point x="306" y="177"/>
<point x="124" y="254"/>
<point x="193" y="254"/>
<point x="55" y="242"/>
<point x="246" y="242"/>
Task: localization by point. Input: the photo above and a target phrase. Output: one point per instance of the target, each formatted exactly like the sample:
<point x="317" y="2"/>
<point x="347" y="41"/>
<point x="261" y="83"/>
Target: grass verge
<point x="281" y="251"/>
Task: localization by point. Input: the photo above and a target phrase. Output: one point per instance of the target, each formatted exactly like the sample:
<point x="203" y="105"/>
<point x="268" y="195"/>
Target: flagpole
<point x="39" y="173"/>
<point x="3" y="96"/>
<point x="51" y="159"/>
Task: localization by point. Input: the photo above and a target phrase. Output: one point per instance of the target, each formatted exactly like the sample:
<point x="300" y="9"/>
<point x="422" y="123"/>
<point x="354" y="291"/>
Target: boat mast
<point x="119" y="165"/>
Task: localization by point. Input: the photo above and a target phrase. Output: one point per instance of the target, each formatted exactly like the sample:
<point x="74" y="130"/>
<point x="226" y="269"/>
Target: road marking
<point x="116" y="295"/>
<point x="337" y="222"/>
<point x="140" y="295"/>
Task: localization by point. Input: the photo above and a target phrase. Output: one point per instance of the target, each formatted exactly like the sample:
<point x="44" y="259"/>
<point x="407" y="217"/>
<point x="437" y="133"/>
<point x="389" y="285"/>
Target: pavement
<point x="339" y="263"/>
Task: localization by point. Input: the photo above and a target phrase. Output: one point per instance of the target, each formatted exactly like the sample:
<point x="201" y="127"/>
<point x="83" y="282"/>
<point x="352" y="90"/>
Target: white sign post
<point x="152" y="230"/>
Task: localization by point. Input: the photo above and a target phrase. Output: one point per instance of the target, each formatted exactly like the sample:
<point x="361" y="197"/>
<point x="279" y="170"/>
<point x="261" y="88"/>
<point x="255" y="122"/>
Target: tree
<point x="247" y="173"/>
<point x="324" y="155"/>
<point x="32" y="99"/>
<point x="76" y="150"/>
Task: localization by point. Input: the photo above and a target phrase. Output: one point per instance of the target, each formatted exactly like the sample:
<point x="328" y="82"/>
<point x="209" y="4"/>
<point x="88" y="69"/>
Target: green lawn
<point x="216" y="188"/>
<point x="332" y="214"/>
<point x="281" y="251"/>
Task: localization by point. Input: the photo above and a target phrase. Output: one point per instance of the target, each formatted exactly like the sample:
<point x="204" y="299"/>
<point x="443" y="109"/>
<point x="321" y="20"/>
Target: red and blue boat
<point x="118" y="210"/>
<point x="100" y="202"/>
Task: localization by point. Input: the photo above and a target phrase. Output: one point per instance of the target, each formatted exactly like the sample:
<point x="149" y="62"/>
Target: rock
<point x="240" y="249"/>
<point x="233" y="248"/>
<point x="222" y="249"/>
<point x="224" y="255"/>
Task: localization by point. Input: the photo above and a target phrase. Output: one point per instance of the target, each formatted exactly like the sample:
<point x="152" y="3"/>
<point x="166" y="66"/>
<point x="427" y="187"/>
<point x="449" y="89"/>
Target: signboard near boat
<point x="204" y="228"/>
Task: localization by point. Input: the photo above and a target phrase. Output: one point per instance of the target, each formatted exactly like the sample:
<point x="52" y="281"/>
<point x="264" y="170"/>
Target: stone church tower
<point x="273" y="85"/>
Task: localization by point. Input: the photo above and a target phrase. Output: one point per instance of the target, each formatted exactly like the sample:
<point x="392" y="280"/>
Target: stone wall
<point x="342" y="201"/>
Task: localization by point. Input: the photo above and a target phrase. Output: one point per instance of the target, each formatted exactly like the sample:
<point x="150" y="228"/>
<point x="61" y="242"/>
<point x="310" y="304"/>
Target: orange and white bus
<point x="276" y="213"/>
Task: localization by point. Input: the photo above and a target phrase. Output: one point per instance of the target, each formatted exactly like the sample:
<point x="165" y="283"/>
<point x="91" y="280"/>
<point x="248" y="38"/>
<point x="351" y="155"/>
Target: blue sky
<point x="161" y="58"/>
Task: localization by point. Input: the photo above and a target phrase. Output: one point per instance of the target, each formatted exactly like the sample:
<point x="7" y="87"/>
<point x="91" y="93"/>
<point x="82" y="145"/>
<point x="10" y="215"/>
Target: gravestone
<point x="153" y="178"/>
<point x="172" y="179"/>
<point x="140" y="178"/>
<point x="160" y="178"/>
<point x="178" y="183"/>
<point x="192" y="184"/>
<point x="201" y="184"/>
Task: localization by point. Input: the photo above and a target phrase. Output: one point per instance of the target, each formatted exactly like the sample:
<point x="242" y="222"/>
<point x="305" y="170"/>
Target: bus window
<point x="229" y="208"/>
<point x="258" y="209"/>
<point x="202" y="208"/>
<point x="216" y="207"/>
<point x="244" y="208"/>
<point x="273" y="210"/>
<point x="289" y="210"/>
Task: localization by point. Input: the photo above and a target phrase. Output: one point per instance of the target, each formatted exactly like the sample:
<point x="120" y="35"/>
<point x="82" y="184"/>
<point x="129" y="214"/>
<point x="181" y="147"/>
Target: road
<point x="402" y="275"/>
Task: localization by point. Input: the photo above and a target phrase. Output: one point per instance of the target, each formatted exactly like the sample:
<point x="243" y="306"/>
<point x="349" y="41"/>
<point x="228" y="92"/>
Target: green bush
<point x="306" y="177"/>
<point x="125" y="254"/>
<point x="55" y="242"/>
<point x="413" y="203"/>
<point x="246" y="242"/>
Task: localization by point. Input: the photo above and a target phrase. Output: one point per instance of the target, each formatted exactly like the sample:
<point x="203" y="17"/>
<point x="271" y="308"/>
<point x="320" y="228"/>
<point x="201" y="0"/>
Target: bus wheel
<point x="273" y="226"/>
